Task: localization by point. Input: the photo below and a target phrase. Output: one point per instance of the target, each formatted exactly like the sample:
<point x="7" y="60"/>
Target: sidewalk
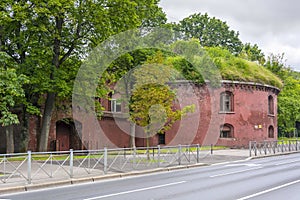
<point x="80" y="176"/>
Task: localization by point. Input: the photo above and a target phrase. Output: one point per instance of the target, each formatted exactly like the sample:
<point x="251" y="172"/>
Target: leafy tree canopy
<point x="253" y="53"/>
<point x="11" y="91"/>
<point x="288" y="98"/>
<point x="48" y="40"/>
<point x="152" y="103"/>
<point x="211" y="32"/>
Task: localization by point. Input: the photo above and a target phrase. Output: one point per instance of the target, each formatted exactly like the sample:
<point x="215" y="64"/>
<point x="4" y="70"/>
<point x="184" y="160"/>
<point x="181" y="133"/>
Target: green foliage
<point x="186" y="69"/>
<point x="152" y="101"/>
<point x="11" y="91"/>
<point x="238" y="69"/>
<point x="289" y="106"/>
<point x="194" y="63"/>
<point x="276" y="64"/>
<point x="252" y="53"/>
<point x="288" y="98"/>
<point x="211" y="32"/>
<point x="49" y="39"/>
<point x="51" y="36"/>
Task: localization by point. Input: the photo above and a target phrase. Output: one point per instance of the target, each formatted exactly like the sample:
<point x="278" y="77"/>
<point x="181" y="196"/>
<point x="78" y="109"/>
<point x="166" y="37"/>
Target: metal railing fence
<point x="273" y="147"/>
<point x="33" y="166"/>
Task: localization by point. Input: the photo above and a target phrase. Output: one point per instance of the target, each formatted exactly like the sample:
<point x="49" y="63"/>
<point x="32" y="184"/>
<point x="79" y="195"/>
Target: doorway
<point x="66" y="136"/>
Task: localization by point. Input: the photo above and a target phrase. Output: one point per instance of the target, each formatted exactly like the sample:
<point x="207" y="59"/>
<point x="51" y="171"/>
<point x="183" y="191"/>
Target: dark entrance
<point x="66" y="136"/>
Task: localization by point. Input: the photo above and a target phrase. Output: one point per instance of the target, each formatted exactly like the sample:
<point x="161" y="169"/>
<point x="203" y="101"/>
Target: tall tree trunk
<point x="9" y="131"/>
<point x="24" y="131"/>
<point x="50" y="101"/>
<point x="46" y="120"/>
<point x="132" y="135"/>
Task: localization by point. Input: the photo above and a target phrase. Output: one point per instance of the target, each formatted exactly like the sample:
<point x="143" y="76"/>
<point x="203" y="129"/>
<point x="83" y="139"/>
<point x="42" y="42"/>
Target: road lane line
<point x="269" y="190"/>
<point x="235" y="172"/>
<point x="287" y="162"/>
<point x="137" y="190"/>
<point x="244" y="165"/>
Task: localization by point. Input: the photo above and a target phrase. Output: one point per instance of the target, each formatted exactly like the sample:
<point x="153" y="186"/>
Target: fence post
<point x="296" y="144"/>
<point x="250" y="148"/>
<point x="4" y="167"/>
<point x="71" y="162"/>
<point x="29" y="167"/>
<point x="198" y="153"/>
<point x="51" y="163"/>
<point x="105" y="161"/>
<point x="265" y="147"/>
<point x="282" y="143"/>
<point x="179" y="154"/>
<point x="124" y="152"/>
<point x="158" y="155"/>
<point x="211" y="149"/>
<point x="89" y="161"/>
<point x="289" y="145"/>
<point x="255" y="148"/>
<point x="134" y="157"/>
<point x="153" y="152"/>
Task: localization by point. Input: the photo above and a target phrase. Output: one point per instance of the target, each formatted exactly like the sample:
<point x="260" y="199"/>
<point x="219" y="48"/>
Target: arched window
<point x="226" y="102"/>
<point x="226" y="131"/>
<point x="271" y="105"/>
<point x="271" y="132"/>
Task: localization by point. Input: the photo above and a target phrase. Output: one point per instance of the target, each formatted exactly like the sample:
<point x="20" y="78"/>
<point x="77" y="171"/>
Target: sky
<point x="274" y="25"/>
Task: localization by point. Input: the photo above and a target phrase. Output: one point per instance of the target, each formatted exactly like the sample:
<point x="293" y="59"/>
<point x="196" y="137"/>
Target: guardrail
<point x="34" y="166"/>
<point x="273" y="147"/>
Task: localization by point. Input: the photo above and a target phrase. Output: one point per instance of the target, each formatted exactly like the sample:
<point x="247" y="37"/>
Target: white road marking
<point x="287" y="162"/>
<point x="248" y="165"/>
<point x="235" y="172"/>
<point x="137" y="190"/>
<point x="269" y="190"/>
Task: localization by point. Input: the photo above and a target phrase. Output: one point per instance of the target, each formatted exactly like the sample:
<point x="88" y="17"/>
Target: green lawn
<point x="286" y="139"/>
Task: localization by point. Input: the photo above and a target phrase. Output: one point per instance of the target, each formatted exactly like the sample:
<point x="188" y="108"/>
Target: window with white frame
<point x="226" y="102"/>
<point x="115" y="105"/>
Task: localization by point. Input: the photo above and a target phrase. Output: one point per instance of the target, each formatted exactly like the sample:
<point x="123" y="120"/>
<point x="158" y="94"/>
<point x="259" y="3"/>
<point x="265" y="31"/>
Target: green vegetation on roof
<point x="238" y="69"/>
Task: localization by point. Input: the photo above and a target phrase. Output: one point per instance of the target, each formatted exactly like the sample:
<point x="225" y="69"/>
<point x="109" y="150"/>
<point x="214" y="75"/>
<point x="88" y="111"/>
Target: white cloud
<point x="272" y="24"/>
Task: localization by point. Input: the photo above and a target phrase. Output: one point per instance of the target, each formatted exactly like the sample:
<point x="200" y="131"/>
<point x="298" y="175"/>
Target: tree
<point x="152" y="104"/>
<point x="253" y="53"/>
<point x="276" y="64"/>
<point x="289" y="106"/>
<point x="288" y="98"/>
<point x="121" y="72"/>
<point x="210" y="32"/>
<point x="48" y="39"/>
<point x="11" y="93"/>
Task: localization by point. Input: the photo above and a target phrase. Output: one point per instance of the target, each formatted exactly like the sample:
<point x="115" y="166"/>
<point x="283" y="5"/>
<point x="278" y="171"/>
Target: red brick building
<point x="231" y="115"/>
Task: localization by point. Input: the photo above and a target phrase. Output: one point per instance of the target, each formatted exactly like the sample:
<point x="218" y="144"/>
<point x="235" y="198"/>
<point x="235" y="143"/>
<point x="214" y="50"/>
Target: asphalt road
<point x="268" y="178"/>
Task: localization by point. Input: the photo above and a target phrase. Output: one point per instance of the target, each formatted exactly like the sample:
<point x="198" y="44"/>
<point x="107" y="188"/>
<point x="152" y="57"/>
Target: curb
<point x="12" y="189"/>
<point x="45" y="185"/>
